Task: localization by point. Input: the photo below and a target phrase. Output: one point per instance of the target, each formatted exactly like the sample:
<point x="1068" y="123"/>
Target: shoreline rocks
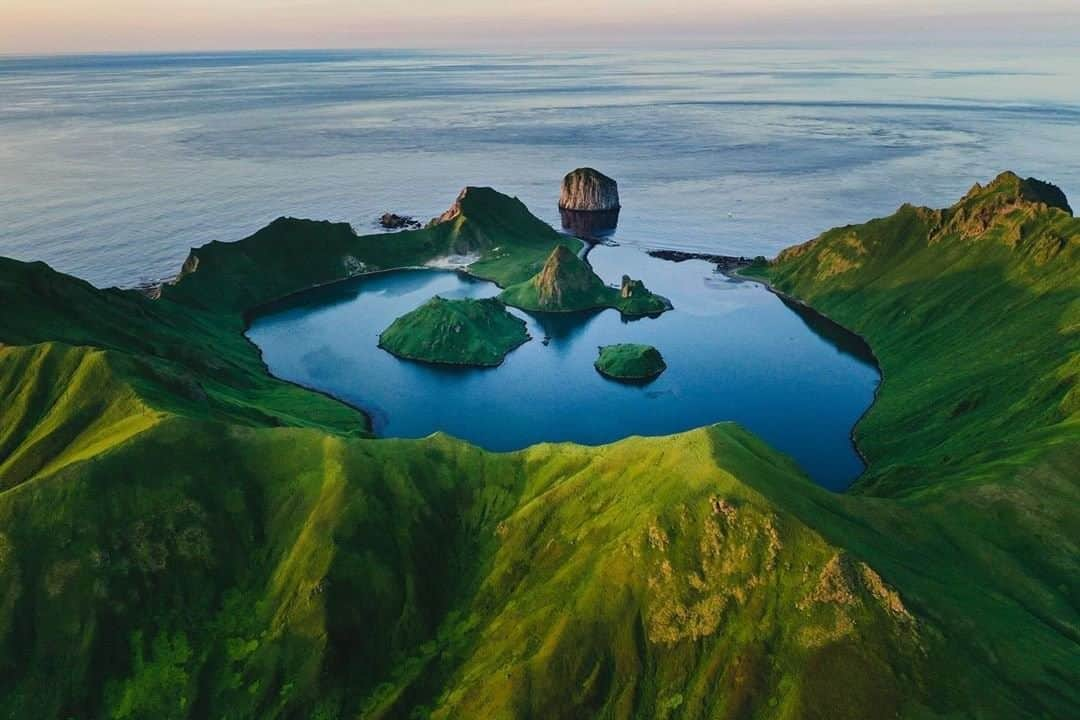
<point x="393" y="221"/>
<point x="724" y="263"/>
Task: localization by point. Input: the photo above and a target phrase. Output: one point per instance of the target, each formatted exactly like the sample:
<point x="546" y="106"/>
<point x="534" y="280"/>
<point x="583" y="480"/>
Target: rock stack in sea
<point x="588" y="190"/>
<point x="589" y="202"/>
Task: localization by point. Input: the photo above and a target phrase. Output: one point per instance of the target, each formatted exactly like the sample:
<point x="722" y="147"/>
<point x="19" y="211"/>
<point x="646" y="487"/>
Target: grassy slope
<point x="630" y="360"/>
<point x="456" y="332"/>
<point x="973" y="313"/>
<point x="185" y="359"/>
<point x="263" y="572"/>
<point x="290" y="255"/>
<point x="566" y="283"/>
<point x="174" y="560"/>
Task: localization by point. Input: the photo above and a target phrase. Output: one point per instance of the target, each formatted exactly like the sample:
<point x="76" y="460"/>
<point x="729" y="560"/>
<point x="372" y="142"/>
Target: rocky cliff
<point x="586" y="189"/>
<point x="566" y="283"/>
<point x="564" y="278"/>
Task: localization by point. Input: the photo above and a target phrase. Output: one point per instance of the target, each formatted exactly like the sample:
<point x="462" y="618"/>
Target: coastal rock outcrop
<point x="631" y="288"/>
<point x="586" y="189"/>
<point x="589" y="203"/>
<point x="564" y="278"/>
<point x="566" y="283"/>
<point x="393" y="221"/>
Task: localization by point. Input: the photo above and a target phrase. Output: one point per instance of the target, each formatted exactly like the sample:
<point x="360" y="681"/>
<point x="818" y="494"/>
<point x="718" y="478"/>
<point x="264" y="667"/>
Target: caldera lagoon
<point x="734" y="351"/>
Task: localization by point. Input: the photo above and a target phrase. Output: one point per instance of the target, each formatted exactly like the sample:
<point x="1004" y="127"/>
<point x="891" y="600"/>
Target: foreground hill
<point x="168" y="551"/>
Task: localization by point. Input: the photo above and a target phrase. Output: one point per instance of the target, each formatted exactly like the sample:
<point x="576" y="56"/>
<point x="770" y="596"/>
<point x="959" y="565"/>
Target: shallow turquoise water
<point x="734" y="352"/>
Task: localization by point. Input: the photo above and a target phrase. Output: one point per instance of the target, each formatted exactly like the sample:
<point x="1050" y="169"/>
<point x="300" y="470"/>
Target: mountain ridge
<point x="245" y="553"/>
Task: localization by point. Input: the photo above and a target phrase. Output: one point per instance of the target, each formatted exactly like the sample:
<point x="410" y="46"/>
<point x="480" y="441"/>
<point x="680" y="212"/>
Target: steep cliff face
<point x="586" y="189"/>
<point x="564" y="278"/>
<point x="566" y="283"/>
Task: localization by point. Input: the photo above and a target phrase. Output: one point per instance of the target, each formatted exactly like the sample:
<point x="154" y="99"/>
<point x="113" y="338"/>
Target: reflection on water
<point x="593" y="225"/>
<point x="832" y="332"/>
<point x="734" y="352"/>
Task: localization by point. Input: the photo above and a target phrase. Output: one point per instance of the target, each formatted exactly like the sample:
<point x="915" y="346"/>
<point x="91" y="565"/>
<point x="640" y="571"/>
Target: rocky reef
<point x="393" y="221"/>
<point x="566" y="283"/>
<point x="630" y="362"/>
<point x="723" y="263"/>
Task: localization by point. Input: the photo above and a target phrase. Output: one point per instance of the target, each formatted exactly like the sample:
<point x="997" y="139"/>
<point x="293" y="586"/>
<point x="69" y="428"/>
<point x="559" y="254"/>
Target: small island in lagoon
<point x="630" y="362"/>
<point x="566" y="283"/>
<point x="455" y="332"/>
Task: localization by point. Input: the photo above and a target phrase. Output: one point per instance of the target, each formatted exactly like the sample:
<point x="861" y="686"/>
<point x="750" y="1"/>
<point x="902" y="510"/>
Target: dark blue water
<point x="111" y="167"/>
<point x="734" y="352"/>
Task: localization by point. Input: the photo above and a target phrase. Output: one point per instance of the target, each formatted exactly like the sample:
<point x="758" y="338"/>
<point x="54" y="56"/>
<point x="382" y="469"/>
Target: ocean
<point x="112" y="166"/>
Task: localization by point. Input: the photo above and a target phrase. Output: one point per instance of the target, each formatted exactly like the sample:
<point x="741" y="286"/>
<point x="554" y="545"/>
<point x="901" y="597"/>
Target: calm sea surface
<point x="111" y="167"/>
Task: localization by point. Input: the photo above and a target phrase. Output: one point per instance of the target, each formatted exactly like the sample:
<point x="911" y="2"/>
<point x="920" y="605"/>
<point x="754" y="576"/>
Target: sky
<point x="48" y="26"/>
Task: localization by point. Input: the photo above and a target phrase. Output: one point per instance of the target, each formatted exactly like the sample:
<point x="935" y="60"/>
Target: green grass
<point x="182" y="536"/>
<point x="291" y="255"/>
<point x="630" y="361"/>
<point x="972" y="312"/>
<point x="455" y="332"/>
<point x="566" y="283"/>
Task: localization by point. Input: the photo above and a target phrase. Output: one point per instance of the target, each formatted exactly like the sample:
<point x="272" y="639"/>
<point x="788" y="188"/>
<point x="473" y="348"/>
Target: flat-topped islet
<point x="630" y="361"/>
<point x="455" y="332"/>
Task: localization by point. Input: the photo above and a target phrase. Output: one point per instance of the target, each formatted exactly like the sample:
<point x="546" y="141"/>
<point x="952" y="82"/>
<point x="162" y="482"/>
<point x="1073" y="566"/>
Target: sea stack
<point x="589" y="202"/>
<point x="588" y="190"/>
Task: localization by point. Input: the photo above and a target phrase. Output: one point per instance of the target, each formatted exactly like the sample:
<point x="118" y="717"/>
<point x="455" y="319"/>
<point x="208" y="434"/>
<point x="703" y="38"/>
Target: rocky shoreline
<point x="724" y="263"/>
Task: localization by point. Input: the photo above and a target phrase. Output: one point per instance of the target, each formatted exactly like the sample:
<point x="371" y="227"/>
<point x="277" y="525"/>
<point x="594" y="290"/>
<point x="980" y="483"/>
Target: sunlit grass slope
<point x="181" y="536"/>
<point x="181" y="358"/>
<point x="286" y="572"/>
<point x="974" y="315"/>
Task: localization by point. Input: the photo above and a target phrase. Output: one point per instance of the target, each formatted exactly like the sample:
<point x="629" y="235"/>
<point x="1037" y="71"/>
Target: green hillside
<point x="291" y="255"/>
<point x="182" y="536"/>
<point x="630" y="361"/>
<point x="455" y="332"/>
<point x="566" y="283"/>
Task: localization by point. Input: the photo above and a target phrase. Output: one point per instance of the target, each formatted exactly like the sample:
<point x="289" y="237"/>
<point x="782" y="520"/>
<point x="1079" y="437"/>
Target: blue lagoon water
<point x="111" y="167"/>
<point x="734" y="352"/>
